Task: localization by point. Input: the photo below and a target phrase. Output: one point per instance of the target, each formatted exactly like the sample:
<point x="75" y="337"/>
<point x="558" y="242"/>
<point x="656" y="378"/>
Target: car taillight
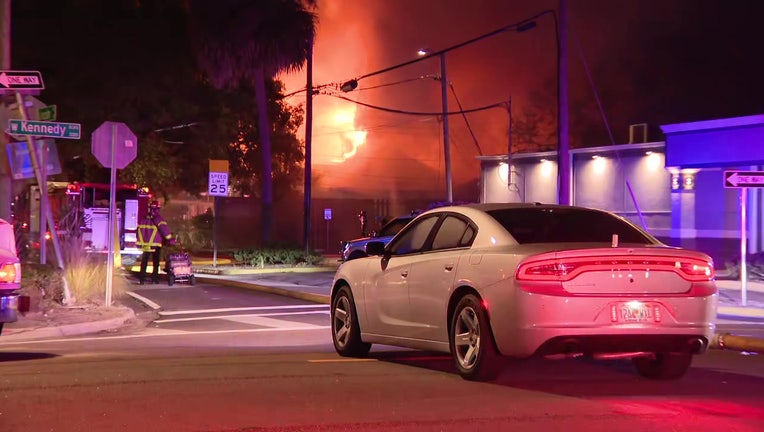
<point x="565" y="269"/>
<point x="10" y="273"/>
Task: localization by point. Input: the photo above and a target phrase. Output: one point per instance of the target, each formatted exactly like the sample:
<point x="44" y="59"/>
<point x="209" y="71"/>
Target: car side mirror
<point x="375" y="248"/>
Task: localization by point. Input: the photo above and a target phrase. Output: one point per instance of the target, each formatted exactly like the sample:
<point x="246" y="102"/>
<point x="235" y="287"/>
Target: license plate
<point x="635" y="311"/>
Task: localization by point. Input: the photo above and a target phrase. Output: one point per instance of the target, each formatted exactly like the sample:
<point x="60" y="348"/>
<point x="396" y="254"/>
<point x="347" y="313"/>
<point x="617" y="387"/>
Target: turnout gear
<point x="152" y="231"/>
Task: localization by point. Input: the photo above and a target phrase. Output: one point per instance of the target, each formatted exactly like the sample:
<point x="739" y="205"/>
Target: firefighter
<point x="152" y="230"/>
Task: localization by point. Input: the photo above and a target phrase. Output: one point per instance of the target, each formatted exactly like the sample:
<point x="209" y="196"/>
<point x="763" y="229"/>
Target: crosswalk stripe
<point x="239" y="317"/>
<point x="242" y="309"/>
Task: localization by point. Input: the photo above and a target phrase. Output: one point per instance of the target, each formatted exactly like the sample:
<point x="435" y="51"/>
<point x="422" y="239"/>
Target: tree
<point x="250" y="41"/>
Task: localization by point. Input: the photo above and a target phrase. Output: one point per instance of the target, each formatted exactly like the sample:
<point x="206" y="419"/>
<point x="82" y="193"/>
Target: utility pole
<point x="509" y="143"/>
<point x="6" y="182"/>
<point x="446" y="142"/>
<point x="563" y="133"/>
<point x="308" y="146"/>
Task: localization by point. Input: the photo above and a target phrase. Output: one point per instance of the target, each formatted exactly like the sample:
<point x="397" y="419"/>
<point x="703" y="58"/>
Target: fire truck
<point x="82" y="210"/>
<point x="91" y="205"/>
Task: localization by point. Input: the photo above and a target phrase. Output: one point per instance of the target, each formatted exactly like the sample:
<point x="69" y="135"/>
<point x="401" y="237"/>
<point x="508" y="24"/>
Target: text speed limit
<point x="218" y="184"/>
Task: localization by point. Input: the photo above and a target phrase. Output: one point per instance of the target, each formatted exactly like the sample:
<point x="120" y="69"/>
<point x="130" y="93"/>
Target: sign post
<point x="743" y="180"/>
<point x="115" y="146"/>
<point x="43" y="185"/>
<point x="217" y="187"/>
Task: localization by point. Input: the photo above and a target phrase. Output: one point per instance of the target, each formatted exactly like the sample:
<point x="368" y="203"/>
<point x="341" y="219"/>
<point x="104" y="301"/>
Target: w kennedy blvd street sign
<point x="16" y="80"/>
<point x="743" y="179"/>
<point x="44" y="129"/>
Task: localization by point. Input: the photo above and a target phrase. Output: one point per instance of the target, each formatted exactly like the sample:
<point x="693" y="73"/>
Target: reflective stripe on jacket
<point x="151" y="231"/>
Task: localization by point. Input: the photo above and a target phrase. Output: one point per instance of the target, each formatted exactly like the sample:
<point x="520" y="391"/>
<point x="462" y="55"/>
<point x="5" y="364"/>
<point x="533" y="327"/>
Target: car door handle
<point x="404" y="273"/>
<point x="449" y="267"/>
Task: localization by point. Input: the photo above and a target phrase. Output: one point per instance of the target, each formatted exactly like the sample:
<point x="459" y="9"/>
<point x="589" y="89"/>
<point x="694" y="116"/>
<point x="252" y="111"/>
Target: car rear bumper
<point x="533" y="324"/>
<point x="9" y="307"/>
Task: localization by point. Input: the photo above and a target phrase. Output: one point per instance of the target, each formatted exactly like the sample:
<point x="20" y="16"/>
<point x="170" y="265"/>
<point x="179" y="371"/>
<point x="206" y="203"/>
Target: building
<point x="677" y="189"/>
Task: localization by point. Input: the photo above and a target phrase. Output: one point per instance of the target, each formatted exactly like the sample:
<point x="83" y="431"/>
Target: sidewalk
<point x="311" y="284"/>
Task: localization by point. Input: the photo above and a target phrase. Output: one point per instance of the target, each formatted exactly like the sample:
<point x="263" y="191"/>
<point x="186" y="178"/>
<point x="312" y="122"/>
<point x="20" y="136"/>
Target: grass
<point x="86" y="274"/>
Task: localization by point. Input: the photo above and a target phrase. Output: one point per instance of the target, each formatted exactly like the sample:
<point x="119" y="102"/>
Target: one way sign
<point x="16" y="80"/>
<point x="743" y="179"/>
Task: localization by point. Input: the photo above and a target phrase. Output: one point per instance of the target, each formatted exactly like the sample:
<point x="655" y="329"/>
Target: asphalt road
<point x="252" y="364"/>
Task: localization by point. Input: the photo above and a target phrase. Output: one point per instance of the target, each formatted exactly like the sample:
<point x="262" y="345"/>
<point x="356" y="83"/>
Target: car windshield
<point x="566" y="225"/>
<point x="395" y="225"/>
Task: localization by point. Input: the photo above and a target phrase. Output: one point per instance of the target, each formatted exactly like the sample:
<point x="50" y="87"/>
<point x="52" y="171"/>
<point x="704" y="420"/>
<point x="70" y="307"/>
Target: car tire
<point x="346" y="333"/>
<point x="471" y="341"/>
<point x="663" y="366"/>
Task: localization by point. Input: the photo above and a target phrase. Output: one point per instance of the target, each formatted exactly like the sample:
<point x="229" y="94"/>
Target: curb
<point x="245" y="271"/>
<point x="740" y="311"/>
<point x="68" y="329"/>
<point x="311" y="297"/>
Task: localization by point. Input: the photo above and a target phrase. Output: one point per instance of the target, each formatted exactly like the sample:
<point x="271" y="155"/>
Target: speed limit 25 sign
<point x="218" y="184"/>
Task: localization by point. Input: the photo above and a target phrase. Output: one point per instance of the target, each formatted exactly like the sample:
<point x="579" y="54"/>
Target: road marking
<point x="356" y="360"/>
<point x="240" y="318"/>
<point x="241" y="309"/>
<point x="164" y="333"/>
<point x="144" y="300"/>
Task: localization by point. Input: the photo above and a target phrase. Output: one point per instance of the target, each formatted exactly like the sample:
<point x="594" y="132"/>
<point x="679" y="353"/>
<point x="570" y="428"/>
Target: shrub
<point x="195" y="234"/>
<point x="86" y="273"/>
<point x="43" y="283"/>
<point x="275" y="256"/>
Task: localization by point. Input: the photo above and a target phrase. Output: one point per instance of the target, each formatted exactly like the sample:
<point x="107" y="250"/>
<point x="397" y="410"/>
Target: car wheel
<point x="346" y="333"/>
<point x="356" y="255"/>
<point x="471" y="341"/>
<point x="663" y="366"/>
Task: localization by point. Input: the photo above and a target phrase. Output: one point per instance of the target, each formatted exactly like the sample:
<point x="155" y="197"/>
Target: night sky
<point x="651" y="61"/>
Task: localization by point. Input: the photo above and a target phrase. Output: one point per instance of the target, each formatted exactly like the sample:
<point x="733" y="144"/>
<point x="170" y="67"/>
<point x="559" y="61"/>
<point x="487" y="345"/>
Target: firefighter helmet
<point x="154" y="205"/>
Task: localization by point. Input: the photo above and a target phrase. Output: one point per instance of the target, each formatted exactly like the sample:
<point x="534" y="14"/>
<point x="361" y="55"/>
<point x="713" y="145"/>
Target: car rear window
<point x="566" y="225"/>
<point x="395" y="225"/>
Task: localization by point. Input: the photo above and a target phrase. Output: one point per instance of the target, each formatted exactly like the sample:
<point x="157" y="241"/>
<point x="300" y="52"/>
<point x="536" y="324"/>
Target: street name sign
<point x="18" y="80"/>
<point x="47" y="113"/>
<point x="44" y="129"/>
<point x="743" y="179"/>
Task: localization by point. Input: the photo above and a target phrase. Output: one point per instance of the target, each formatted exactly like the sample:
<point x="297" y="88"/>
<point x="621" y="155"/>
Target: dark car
<point x="357" y="248"/>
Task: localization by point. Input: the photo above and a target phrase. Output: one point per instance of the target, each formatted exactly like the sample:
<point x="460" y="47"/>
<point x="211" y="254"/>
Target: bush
<point x="754" y="267"/>
<point x="195" y="234"/>
<point x="43" y="283"/>
<point x="276" y="256"/>
<point x="86" y="274"/>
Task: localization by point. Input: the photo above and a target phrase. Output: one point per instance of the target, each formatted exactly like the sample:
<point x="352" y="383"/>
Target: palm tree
<point x="251" y="41"/>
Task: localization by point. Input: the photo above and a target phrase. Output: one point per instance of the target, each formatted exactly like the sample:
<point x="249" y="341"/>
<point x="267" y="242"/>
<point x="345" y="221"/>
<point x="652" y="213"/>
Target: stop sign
<point x="117" y="136"/>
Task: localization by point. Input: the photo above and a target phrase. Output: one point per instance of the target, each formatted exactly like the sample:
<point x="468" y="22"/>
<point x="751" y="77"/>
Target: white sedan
<point x="518" y="280"/>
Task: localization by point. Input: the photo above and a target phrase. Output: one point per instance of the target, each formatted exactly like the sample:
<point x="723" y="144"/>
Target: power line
<point x="523" y="25"/>
<point x="464" y="115"/>
<point x="397" y="111"/>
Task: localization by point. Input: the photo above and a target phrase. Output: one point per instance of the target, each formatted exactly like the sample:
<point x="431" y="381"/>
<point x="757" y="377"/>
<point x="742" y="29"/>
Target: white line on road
<point x="144" y="300"/>
<point x="238" y="316"/>
<point x="240" y="309"/>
